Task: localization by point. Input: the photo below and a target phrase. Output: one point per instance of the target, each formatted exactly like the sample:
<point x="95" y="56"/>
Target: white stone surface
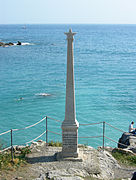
<point x="96" y="163"/>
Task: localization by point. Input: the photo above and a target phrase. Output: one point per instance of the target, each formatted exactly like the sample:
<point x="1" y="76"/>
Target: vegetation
<point x="124" y="158"/>
<point x="2" y="144"/>
<point x="93" y="178"/>
<point x="6" y="162"/>
<point x="55" y="144"/>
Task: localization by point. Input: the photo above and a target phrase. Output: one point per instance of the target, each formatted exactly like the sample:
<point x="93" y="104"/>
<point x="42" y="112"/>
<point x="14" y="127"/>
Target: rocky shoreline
<point x="96" y="164"/>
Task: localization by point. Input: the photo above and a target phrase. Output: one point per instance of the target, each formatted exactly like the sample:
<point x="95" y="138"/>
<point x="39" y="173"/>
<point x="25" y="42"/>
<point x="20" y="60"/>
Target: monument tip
<point x="70" y="30"/>
<point x="69" y="34"/>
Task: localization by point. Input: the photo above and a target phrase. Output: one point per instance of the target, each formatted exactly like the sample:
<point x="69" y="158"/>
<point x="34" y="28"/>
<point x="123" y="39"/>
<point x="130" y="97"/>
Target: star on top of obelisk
<point x="70" y="34"/>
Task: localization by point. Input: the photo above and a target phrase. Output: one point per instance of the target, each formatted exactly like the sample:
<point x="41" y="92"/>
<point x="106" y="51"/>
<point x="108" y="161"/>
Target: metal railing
<point x="11" y="147"/>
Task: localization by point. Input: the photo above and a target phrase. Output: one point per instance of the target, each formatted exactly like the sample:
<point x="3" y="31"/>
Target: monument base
<point x="69" y="141"/>
<point x="60" y="157"/>
<point x="67" y="154"/>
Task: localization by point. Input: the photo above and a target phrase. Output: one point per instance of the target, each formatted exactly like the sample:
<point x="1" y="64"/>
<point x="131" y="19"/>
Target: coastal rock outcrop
<point x="95" y="163"/>
<point x="9" y="44"/>
<point x="2" y="44"/>
<point x="6" y="44"/>
<point x="127" y="140"/>
<point x="19" y="43"/>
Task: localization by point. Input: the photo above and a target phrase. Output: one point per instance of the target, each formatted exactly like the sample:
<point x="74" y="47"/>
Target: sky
<point x="68" y="11"/>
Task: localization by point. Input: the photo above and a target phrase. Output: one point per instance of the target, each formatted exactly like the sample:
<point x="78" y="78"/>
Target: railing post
<point x="46" y="132"/>
<point x="103" y="133"/>
<point x="11" y="146"/>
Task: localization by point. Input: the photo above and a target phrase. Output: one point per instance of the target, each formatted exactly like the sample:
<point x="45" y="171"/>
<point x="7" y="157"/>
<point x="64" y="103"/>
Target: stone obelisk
<point x="70" y="124"/>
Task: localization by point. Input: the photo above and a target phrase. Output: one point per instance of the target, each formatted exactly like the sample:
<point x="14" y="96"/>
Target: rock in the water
<point x="11" y="44"/>
<point x="2" y="44"/>
<point x="6" y="44"/>
<point x="18" y="43"/>
<point x="127" y="140"/>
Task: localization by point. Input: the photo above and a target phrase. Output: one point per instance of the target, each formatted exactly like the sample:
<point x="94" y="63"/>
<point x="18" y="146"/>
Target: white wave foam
<point x="23" y="44"/>
<point x="42" y="94"/>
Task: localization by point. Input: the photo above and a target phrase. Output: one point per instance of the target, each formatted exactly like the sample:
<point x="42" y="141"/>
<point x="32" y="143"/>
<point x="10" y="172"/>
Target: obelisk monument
<point x="70" y="124"/>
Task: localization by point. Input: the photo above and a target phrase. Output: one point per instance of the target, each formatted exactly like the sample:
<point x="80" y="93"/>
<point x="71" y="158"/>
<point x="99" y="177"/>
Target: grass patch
<point x="6" y="162"/>
<point x="90" y="178"/>
<point x="126" y="159"/>
<point x="55" y="144"/>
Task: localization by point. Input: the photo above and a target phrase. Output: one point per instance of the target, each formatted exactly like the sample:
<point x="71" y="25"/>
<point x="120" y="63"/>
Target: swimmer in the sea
<point x="21" y="98"/>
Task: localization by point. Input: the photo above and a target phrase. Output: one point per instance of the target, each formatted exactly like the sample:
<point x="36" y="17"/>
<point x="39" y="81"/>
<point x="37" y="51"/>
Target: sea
<point x="33" y="81"/>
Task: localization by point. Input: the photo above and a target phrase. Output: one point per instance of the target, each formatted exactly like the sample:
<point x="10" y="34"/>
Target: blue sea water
<point x="105" y="79"/>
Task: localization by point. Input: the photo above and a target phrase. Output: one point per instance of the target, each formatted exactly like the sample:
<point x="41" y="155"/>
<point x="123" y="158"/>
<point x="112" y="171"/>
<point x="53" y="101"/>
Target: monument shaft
<point x="70" y="124"/>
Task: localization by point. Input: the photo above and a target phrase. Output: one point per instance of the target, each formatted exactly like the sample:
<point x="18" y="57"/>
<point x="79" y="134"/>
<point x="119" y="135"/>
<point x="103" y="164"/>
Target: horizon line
<point x="67" y="23"/>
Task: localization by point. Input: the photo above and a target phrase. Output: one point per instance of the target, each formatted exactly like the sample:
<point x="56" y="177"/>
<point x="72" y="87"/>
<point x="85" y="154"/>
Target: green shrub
<point x="6" y="159"/>
<point x="126" y="159"/>
<point x="25" y="151"/>
<point x="55" y="144"/>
